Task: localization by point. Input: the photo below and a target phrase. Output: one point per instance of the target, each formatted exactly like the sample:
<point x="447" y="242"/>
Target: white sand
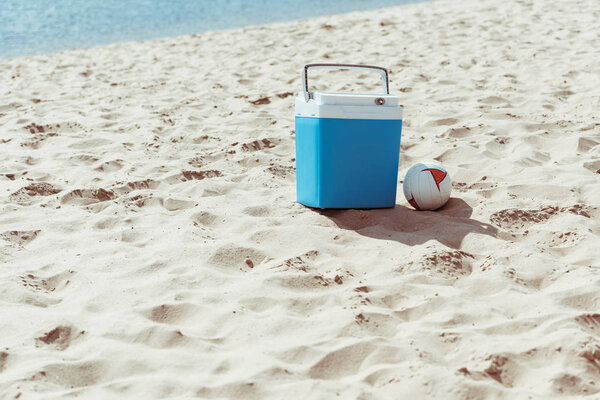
<point x="151" y="246"/>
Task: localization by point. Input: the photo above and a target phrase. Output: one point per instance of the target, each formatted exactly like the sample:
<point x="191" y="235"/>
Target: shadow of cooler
<point x="347" y="146"/>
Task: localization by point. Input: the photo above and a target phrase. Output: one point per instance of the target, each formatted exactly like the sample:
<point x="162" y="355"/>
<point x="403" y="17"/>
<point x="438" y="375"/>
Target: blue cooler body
<point x="347" y="149"/>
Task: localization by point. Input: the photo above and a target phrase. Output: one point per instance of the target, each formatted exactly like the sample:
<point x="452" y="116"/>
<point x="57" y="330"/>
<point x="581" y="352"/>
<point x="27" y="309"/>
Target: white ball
<point x="427" y="185"/>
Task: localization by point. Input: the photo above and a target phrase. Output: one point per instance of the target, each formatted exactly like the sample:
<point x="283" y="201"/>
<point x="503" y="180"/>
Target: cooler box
<point x="347" y="146"/>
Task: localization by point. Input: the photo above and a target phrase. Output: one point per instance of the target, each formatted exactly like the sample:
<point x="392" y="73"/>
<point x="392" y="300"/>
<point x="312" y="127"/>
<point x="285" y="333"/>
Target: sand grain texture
<point x="150" y="245"/>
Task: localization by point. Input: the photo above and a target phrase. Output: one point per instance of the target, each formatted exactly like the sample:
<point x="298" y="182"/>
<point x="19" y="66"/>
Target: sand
<point x="151" y="246"/>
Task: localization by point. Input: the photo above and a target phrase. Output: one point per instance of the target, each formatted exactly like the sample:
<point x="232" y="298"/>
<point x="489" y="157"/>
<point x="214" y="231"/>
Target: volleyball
<point x="427" y="185"/>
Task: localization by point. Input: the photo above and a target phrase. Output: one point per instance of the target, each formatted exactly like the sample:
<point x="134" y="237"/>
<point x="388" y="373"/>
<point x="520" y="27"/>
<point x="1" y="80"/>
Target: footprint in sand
<point x="458" y="155"/>
<point x="370" y="324"/>
<point x="129" y="187"/>
<point x="585" y="144"/>
<point x="516" y="220"/>
<point x="176" y="204"/>
<point x="52" y="129"/>
<point x="199" y="175"/>
<point x="88" y="196"/>
<point x="84" y="159"/>
<point x="585" y="302"/>
<point x="47" y="285"/>
<point x="157" y="337"/>
<point x="171" y="313"/>
<point x="593" y="166"/>
<point x="299" y="263"/>
<point x="589" y="322"/>
<point x="414" y="312"/>
<point x="497" y="147"/>
<point x="204" y="218"/>
<point x="242" y="258"/>
<point x="457" y="133"/>
<point x="19" y="238"/>
<point x="342" y="362"/>
<point x="258" y="145"/>
<point x="466" y="131"/>
<point x="59" y="338"/>
<point x="559" y="239"/>
<point x="282" y="171"/>
<point x="25" y="194"/>
<point x="449" y="264"/>
<point x="257" y="211"/>
<point x="71" y="375"/>
<point x="261" y="100"/>
<point x="512" y="274"/>
<point x="568" y="384"/>
<point x="592" y="356"/>
<point x="502" y="368"/>
<point x="140" y="200"/>
<point x="110" y="166"/>
<point x="494" y="100"/>
<point x="108" y="222"/>
<point x="303" y="282"/>
<point x="185" y="176"/>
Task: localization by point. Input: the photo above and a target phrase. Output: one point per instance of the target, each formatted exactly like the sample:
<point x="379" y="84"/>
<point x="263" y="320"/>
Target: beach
<point x="151" y="246"/>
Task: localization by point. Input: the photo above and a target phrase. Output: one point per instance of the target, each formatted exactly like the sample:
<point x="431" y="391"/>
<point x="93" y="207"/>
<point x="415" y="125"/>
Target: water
<point x="46" y="26"/>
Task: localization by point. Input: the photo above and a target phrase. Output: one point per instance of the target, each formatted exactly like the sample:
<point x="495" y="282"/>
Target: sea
<point x="47" y="26"/>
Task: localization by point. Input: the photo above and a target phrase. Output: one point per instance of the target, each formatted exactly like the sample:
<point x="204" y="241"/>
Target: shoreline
<point x="165" y="35"/>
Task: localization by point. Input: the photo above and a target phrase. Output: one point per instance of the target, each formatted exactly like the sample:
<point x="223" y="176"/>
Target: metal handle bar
<point x="382" y="71"/>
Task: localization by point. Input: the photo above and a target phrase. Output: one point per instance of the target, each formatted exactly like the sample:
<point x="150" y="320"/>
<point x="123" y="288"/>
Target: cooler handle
<point x="382" y="71"/>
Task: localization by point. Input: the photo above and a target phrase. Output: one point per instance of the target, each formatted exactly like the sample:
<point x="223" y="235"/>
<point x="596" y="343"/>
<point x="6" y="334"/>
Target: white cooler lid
<point x="349" y="106"/>
<point x="354" y="98"/>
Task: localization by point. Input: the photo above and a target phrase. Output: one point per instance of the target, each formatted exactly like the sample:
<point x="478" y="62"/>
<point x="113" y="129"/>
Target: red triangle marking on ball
<point x="413" y="202"/>
<point x="438" y="175"/>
